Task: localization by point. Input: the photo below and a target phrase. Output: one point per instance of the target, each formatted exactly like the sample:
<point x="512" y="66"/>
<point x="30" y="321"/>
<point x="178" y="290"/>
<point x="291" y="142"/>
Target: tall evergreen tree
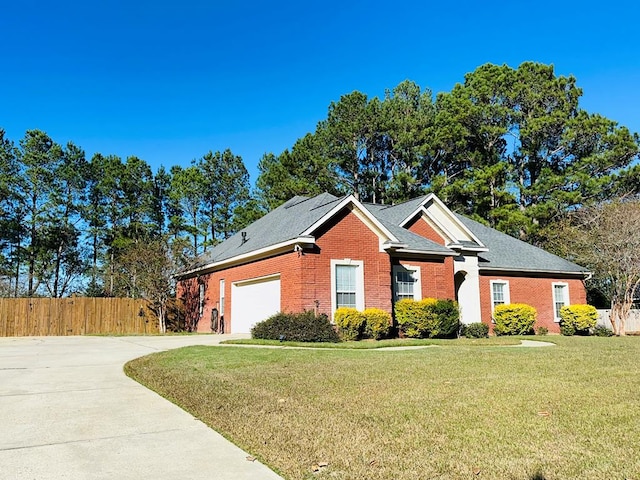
<point x="226" y="187"/>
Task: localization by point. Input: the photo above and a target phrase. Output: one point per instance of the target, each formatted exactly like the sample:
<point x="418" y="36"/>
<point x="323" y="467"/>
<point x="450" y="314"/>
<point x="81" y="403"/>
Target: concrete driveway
<point x="67" y="411"/>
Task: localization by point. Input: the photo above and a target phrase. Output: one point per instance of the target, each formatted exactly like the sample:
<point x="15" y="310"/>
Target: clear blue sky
<point x="169" y="81"/>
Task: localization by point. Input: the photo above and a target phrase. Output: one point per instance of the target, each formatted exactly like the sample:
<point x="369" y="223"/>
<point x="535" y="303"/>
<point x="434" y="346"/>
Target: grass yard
<point x="457" y="411"/>
<point x="373" y="344"/>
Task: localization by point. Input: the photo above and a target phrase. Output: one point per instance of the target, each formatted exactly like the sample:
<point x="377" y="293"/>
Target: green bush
<point x="602" y="331"/>
<point x="296" y="327"/>
<point x="542" y="330"/>
<point x="350" y="323"/>
<point x="377" y="323"/>
<point x="567" y="329"/>
<point x="577" y="319"/>
<point x="514" y="319"/>
<point x="476" y="330"/>
<point x="427" y="318"/>
<point x="448" y="318"/>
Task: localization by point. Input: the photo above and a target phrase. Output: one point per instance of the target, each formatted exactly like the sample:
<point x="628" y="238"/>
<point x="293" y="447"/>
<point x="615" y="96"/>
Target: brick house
<point x="324" y="252"/>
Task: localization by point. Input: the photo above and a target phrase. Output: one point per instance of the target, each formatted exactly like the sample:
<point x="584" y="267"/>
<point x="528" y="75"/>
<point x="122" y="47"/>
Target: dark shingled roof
<point x="297" y="215"/>
<point x="287" y="222"/>
<point x="508" y="253"/>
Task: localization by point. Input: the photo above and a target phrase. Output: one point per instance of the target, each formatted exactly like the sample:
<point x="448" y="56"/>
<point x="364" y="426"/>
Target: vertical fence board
<point x="21" y="317"/>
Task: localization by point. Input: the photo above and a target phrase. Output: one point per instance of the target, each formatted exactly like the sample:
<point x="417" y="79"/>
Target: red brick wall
<point x="422" y="228"/>
<point x="350" y="238"/>
<point x="289" y="265"/>
<point x="436" y="277"/>
<point x="534" y="291"/>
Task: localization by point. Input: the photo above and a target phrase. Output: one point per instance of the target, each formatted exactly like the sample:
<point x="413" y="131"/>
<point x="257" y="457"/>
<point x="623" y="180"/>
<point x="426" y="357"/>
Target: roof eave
<point x="302" y="241"/>
<point x="582" y="273"/>
<point x="439" y="253"/>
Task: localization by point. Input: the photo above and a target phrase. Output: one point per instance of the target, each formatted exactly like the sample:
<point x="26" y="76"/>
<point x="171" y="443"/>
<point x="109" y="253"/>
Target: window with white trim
<point x="221" y="312"/>
<point x="406" y="282"/>
<point x="560" y="298"/>
<point x="499" y="293"/>
<point x="201" y="290"/>
<point x="347" y="284"/>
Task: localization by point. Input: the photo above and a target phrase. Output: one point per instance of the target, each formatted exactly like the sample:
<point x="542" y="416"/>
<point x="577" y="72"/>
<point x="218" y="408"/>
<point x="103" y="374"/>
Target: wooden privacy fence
<point x="632" y="325"/>
<point x="21" y="317"/>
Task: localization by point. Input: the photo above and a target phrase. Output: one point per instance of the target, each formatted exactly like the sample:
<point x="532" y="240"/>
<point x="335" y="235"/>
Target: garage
<point x="252" y="301"/>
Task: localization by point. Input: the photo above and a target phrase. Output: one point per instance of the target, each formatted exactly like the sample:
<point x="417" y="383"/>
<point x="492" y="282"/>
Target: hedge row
<point x="427" y="318"/>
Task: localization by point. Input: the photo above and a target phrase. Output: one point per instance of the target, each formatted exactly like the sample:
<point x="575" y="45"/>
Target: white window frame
<point x="417" y="286"/>
<point x="221" y="309"/>
<point x="505" y="292"/>
<point x="565" y="290"/>
<point x="201" y="298"/>
<point x="359" y="264"/>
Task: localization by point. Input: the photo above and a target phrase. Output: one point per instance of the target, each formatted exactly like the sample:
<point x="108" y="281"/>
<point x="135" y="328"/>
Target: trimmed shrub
<point x="377" y="323"/>
<point x="350" y="323"/>
<point x="427" y="318"/>
<point x="448" y="316"/>
<point x="514" y="319"/>
<point x="602" y="331"/>
<point x="542" y="330"/>
<point x="296" y="327"/>
<point x="577" y="319"/>
<point x="567" y="329"/>
<point x="476" y="330"/>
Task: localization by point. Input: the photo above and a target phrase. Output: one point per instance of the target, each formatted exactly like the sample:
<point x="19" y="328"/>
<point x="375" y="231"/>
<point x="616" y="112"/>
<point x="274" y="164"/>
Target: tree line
<point x="72" y="225"/>
<point x="510" y="147"/>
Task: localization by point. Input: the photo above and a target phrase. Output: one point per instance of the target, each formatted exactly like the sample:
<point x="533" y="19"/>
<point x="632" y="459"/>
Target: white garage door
<point x="253" y="301"/>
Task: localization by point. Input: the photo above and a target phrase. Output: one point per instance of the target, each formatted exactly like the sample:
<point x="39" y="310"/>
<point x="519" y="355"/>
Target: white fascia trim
<point x="393" y="246"/>
<point x="305" y="240"/>
<point x="586" y="275"/>
<point x="449" y="213"/>
<point x="428" y="252"/>
<point x="472" y="249"/>
<point x="345" y="202"/>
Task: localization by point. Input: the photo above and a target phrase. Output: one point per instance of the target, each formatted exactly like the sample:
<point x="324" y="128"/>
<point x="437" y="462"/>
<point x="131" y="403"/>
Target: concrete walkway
<point x="67" y="411"/>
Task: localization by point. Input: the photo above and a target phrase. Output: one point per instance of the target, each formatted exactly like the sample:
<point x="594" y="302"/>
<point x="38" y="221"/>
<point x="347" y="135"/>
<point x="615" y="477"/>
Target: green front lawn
<point x="393" y="342"/>
<point x="459" y="411"/>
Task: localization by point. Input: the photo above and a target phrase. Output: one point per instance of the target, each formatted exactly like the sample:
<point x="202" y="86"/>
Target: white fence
<point x="631" y="325"/>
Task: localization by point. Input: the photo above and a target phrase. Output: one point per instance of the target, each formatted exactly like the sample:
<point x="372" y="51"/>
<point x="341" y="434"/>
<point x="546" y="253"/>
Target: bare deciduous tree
<point x="145" y="269"/>
<point x="605" y="239"/>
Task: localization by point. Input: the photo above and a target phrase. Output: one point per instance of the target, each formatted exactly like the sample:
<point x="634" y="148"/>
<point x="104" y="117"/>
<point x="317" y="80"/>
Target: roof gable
<point x="443" y="221"/>
<point x="360" y="211"/>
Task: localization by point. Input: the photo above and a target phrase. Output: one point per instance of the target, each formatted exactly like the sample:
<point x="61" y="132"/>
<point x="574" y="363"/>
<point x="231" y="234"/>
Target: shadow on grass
<point x="537" y="476"/>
